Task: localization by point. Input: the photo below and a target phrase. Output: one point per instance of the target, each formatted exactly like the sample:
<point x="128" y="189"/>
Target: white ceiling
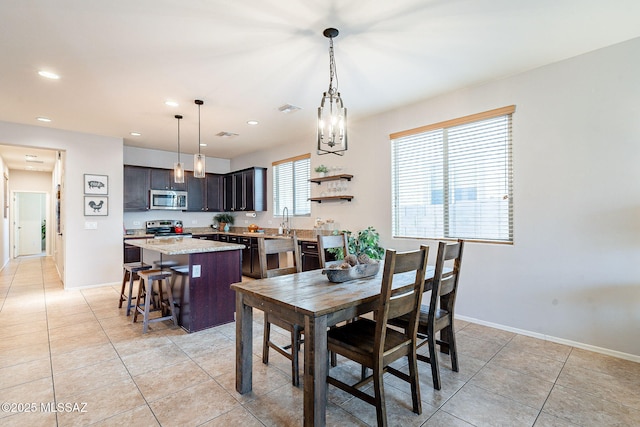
<point x="120" y="60"/>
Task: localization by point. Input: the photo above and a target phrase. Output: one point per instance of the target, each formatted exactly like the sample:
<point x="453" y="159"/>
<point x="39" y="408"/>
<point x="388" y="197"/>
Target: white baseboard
<point x="601" y="350"/>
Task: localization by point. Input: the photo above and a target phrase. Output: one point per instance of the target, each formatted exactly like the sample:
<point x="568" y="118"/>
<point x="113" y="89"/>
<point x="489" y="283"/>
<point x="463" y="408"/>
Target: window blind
<point x="291" y="187"/>
<point x="455" y="180"/>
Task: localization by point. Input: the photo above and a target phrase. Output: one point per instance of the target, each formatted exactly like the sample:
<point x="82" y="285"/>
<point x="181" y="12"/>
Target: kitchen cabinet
<point x="246" y="190"/>
<point x="162" y="179"/>
<point x="196" y="188"/>
<point x="214" y="193"/>
<point x="131" y="253"/>
<point x="136" y="188"/>
<point x="310" y="258"/>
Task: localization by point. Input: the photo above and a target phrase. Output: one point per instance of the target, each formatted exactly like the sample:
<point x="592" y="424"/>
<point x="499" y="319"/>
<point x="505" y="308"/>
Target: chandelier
<point x="332" y="115"/>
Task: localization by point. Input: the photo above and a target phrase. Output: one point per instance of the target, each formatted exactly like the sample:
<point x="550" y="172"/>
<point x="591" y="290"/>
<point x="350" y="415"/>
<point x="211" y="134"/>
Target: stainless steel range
<point x="165" y="228"/>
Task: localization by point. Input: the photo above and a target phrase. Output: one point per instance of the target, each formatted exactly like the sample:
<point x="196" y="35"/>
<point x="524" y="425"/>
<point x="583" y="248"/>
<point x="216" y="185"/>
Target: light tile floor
<point x="77" y="348"/>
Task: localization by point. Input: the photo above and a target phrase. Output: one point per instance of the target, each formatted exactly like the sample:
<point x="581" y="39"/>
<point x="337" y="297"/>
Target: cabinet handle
<point x="311" y="246"/>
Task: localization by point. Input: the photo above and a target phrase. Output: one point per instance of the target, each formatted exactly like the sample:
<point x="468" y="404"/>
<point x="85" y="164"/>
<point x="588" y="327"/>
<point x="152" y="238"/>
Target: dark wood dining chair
<point x="374" y="345"/>
<point x="337" y="241"/>
<point x="333" y="241"/>
<point x="268" y="247"/>
<point x="438" y="316"/>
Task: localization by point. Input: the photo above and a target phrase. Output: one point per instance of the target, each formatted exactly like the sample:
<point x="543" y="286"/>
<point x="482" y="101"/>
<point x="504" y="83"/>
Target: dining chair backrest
<point x="405" y="299"/>
<point x="278" y="246"/>
<point x="334" y="241"/>
<point x="445" y="284"/>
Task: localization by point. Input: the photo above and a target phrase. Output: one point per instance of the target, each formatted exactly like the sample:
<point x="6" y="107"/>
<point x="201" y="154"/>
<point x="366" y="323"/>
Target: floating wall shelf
<point x="331" y="178"/>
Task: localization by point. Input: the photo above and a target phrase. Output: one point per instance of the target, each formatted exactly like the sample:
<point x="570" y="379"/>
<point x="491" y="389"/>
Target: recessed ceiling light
<point x="252" y="122"/>
<point x="202" y="144"/>
<point x="135" y="133"/>
<point x="171" y="103"/>
<point x="48" y="75"/>
<point x="43" y="119"/>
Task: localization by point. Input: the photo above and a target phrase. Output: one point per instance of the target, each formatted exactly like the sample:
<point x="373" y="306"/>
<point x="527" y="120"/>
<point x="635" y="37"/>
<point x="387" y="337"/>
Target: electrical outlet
<point x="246" y="221"/>
<point x="136" y="222"/>
<point x="194" y="221"/>
<point x="90" y="225"/>
<point x="195" y="272"/>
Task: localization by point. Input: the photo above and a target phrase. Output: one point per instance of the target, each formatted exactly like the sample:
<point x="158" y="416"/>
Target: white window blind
<point x="291" y="186"/>
<point x="454" y="180"/>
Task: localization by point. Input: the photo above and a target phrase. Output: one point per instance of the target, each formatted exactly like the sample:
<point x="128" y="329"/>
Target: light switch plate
<point x="195" y="272"/>
<point x="90" y="225"/>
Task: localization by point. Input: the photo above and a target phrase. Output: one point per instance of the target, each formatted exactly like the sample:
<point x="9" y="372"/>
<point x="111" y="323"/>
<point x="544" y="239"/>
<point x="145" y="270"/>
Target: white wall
<point x="4" y="222"/>
<point x="573" y="272"/>
<point x="91" y="257"/>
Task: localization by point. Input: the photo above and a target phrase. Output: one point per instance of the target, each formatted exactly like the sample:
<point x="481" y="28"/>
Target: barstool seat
<point x="165" y="263"/>
<point x="130" y="272"/>
<point x="147" y="278"/>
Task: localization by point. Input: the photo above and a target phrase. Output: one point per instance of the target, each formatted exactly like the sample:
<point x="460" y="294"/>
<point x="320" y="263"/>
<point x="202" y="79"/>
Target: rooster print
<point x="96" y="206"/>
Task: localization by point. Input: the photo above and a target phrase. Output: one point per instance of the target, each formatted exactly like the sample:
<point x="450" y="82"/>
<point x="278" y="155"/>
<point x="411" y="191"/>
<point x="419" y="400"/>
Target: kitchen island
<point x="203" y="293"/>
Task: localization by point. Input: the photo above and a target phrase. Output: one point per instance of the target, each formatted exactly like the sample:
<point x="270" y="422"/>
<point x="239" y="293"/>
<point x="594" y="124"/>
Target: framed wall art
<point x="96" y="184"/>
<point x="96" y="206"/>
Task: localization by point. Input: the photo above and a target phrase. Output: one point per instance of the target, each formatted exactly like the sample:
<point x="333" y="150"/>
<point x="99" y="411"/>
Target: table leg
<point x="315" y="371"/>
<point x="244" y="345"/>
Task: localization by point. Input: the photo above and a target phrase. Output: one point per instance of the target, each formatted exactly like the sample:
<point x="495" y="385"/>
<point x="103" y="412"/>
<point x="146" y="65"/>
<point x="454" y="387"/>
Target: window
<point x="291" y="186"/>
<point x="454" y="179"/>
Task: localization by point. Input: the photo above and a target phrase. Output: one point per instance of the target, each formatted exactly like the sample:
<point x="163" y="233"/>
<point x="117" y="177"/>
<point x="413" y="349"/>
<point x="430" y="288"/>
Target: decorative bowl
<point x="253" y="228"/>
<point x="339" y="275"/>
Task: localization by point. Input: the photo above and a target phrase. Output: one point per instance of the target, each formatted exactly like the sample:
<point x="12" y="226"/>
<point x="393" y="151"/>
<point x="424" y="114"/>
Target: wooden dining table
<point x="308" y="299"/>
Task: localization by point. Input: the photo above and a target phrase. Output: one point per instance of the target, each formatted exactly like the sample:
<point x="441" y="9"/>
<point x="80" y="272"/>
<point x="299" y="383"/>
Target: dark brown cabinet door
<point x="246" y="190"/>
<point x="162" y="179"/>
<point x="196" y="193"/>
<point x="136" y="188"/>
<point x="215" y="192"/>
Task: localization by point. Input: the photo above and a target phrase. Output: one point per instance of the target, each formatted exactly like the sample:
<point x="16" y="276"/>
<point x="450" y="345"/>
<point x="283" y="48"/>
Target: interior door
<point x="30" y="212"/>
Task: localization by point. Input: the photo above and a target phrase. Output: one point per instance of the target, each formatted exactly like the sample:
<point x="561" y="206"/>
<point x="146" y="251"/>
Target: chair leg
<point x="124" y="281"/>
<point x="381" y="407"/>
<point x="433" y="361"/>
<point x="453" y="349"/>
<point x="147" y="303"/>
<point x="265" y="340"/>
<point x="415" y="383"/>
<point x="137" y="305"/>
<point x="172" y="304"/>
<point x="130" y="293"/>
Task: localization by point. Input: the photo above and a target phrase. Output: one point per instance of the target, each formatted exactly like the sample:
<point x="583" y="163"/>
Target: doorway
<point x="30" y="225"/>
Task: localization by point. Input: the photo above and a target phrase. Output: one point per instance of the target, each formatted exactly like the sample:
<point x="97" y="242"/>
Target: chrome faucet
<point x="286" y="225"/>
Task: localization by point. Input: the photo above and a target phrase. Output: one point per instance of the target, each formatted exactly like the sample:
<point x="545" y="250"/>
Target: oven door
<point x="172" y="200"/>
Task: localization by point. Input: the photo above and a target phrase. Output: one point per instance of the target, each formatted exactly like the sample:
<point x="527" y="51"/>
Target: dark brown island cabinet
<point x="203" y="295"/>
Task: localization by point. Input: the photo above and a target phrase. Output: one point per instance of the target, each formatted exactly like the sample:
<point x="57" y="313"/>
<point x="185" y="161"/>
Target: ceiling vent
<point x="226" y="134"/>
<point x="288" y="108"/>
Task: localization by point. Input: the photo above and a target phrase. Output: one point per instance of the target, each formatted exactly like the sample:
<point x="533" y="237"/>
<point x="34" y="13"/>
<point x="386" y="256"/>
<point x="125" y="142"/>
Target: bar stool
<point x="162" y="264"/>
<point x="147" y="278"/>
<point x="181" y="271"/>
<point x="130" y="272"/>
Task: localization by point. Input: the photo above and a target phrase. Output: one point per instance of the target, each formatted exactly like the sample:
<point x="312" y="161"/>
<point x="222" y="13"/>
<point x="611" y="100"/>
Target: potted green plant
<point x="224" y="220"/>
<point x="322" y="170"/>
<point x="365" y="242"/>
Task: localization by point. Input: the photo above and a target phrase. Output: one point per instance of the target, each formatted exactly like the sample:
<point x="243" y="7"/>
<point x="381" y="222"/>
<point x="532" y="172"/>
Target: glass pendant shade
<point x="178" y="173"/>
<point x="332" y="114"/>
<point x="199" y="159"/>
<point x="178" y="167"/>
<point x="199" y="165"/>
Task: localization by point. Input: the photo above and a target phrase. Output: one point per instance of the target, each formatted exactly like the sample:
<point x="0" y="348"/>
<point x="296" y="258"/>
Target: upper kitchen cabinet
<point x="215" y="193"/>
<point x="136" y="188"/>
<point x="246" y="190"/>
<point x="196" y="188"/>
<point x="162" y="179"/>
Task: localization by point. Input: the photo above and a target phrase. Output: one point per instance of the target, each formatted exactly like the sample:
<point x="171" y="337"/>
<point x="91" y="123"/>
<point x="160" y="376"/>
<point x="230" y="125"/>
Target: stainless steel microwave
<point x="168" y="199"/>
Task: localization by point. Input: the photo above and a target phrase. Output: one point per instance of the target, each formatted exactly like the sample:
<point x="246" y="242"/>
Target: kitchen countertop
<point x="184" y="246"/>
<point x="303" y="235"/>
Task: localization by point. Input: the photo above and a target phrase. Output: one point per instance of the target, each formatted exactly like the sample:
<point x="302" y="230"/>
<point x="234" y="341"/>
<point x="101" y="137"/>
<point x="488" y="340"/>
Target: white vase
<point x="322" y="174"/>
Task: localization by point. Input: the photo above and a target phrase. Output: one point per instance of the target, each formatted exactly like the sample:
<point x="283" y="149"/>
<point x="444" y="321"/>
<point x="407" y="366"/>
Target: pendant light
<point x="198" y="159"/>
<point x="178" y="167"/>
<point x="332" y="115"/>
